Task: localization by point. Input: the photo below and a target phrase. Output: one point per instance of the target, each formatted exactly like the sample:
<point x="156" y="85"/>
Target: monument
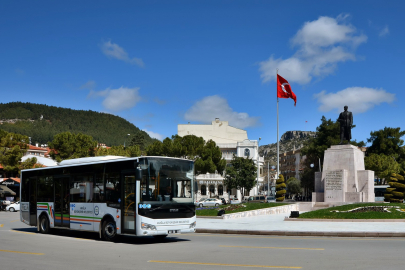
<point x="344" y="178"/>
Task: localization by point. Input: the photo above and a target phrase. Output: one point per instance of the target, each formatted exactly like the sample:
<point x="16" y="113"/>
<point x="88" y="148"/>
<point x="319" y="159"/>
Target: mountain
<point x="42" y="122"/>
<point x="289" y="141"/>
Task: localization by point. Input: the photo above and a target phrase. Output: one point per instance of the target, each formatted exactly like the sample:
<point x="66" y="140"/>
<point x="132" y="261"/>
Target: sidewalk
<point x="276" y="225"/>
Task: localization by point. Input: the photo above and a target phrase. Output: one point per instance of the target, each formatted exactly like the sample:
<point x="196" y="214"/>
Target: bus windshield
<point x="166" y="181"/>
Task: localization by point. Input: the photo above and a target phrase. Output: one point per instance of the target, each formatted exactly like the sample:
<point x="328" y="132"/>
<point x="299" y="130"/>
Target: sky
<point x="163" y="63"/>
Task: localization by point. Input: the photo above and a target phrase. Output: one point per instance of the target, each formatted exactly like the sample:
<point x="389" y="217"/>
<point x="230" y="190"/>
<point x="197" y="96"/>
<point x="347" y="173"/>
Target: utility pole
<point x="268" y="175"/>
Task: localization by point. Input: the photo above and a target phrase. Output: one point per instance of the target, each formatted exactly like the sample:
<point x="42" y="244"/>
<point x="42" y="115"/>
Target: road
<point x="21" y="247"/>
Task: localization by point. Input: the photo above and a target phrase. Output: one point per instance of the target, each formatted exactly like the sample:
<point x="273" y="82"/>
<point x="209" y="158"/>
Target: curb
<point x="303" y="233"/>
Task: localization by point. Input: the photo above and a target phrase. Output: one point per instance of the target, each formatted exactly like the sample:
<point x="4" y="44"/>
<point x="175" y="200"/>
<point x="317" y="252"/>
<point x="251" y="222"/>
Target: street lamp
<point x="126" y="139"/>
<point x="258" y="168"/>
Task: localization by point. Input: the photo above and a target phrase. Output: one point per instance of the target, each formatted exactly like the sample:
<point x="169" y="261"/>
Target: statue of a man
<point x="346" y="122"/>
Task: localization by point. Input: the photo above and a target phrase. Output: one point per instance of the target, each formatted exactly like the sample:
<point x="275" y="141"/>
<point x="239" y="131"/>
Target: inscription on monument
<point x="334" y="180"/>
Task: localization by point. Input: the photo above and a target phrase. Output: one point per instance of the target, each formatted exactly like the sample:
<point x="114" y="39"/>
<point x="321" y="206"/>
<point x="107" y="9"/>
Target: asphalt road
<point x="21" y="247"/>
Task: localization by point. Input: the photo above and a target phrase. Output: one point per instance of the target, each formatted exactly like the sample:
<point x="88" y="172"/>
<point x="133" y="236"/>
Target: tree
<point x="67" y="146"/>
<point x="207" y="156"/>
<point x="395" y="193"/>
<point x="388" y="141"/>
<point x="382" y="165"/>
<point x="12" y="149"/>
<point x="130" y="151"/>
<point x="241" y="174"/>
<point x="280" y="188"/>
<point x="155" y="149"/>
<point x="139" y="140"/>
<point x="293" y="186"/>
<point x="29" y="163"/>
<point x="212" y="157"/>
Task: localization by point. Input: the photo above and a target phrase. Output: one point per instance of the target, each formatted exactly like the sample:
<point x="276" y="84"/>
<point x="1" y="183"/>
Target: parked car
<point x="13" y="207"/>
<point x="257" y="199"/>
<point x="271" y="199"/>
<point x="235" y="201"/>
<point x="210" y="202"/>
<point x="197" y="203"/>
<point x="3" y="204"/>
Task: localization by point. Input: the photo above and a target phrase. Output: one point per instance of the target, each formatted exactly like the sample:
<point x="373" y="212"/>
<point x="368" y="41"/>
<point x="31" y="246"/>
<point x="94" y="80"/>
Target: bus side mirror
<point x="138" y="174"/>
<point x="195" y="186"/>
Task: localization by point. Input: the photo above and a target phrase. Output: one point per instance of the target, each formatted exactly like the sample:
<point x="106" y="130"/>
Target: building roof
<point x="6" y="190"/>
<point x="32" y="147"/>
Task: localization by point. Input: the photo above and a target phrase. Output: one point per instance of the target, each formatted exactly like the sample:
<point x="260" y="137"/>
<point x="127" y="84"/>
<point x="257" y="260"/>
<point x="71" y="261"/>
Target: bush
<point x="280" y="188"/>
<point x="282" y="185"/>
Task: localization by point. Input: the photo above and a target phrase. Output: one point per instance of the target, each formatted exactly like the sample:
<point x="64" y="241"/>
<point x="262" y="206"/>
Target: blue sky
<point x="163" y="63"/>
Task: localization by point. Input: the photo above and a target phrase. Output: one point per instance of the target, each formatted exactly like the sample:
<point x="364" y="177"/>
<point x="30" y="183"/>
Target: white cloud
<point x="322" y="44"/>
<point x="113" y="50"/>
<point x="89" y="85"/>
<point x="118" y="99"/>
<point x="209" y="108"/>
<point x="359" y="99"/>
<point x="154" y="134"/>
<point x="385" y="31"/>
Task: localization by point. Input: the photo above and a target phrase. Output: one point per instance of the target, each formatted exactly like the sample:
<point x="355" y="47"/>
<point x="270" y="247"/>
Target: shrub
<point x="280" y="189"/>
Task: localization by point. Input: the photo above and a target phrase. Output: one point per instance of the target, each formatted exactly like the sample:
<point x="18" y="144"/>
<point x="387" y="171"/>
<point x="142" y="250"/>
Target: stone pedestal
<point x="343" y="178"/>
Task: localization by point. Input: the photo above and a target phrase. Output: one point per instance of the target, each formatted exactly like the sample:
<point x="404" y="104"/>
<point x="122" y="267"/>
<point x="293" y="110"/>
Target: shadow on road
<point x="121" y="239"/>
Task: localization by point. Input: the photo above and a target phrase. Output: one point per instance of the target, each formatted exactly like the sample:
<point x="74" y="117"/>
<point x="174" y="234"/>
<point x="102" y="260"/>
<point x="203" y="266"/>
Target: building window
<point x="203" y="190"/>
<point x="220" y="190"/>
<point x="247" y="152"/>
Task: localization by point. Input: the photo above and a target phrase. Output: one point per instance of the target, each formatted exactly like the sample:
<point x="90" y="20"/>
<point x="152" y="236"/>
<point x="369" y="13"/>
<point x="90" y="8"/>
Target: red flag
<point x="284" y="89"/>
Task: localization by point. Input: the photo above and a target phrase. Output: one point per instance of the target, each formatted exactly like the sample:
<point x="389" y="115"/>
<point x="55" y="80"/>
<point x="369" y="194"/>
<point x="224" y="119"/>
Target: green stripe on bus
<point x="85" y="217"/>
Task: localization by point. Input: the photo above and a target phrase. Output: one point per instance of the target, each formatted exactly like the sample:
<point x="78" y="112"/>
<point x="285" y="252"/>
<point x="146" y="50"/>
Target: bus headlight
<point x="146" y="226"/>
<point x="192" y="225"/>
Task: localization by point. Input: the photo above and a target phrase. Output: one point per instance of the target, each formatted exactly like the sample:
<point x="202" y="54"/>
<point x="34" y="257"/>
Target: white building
<point x="231" y="141"/>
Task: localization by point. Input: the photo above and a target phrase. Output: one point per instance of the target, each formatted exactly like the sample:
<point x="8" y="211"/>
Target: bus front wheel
<point x="109" y="230"/>
<point x="44" y="224"/>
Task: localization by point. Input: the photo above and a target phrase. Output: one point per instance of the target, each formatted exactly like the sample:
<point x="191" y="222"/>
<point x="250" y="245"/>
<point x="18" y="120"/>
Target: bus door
<point x="62" y="201"/>
<point x="129" y="204"/>
<point x="33" y="200"/>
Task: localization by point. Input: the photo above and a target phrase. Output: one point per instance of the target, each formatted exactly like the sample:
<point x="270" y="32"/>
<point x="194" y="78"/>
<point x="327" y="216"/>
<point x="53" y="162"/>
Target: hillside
<point x="288" y="141"/>
<point x="42" y="122"/>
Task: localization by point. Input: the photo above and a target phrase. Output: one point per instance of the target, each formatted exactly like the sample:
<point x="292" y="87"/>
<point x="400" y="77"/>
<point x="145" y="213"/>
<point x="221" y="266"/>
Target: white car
<point x="13" y="207"/>
<point x="235" y="201"/>
<point x="209" y="202"/>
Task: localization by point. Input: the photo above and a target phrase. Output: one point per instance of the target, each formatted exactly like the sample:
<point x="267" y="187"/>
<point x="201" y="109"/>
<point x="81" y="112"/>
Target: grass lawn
<point x="234" y="208"/>
<point x="366" y="214"/>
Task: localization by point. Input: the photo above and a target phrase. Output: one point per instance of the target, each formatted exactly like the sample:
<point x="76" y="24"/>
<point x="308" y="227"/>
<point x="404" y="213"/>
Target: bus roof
<point x="95" y="160"/>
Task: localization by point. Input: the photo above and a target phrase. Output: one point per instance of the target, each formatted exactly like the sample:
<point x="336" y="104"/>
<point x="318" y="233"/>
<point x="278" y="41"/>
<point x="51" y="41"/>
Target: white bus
<point x="111" y="195"/>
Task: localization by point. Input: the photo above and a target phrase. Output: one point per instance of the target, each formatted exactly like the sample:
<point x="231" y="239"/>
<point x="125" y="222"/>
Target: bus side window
<point x="98" y="190"/>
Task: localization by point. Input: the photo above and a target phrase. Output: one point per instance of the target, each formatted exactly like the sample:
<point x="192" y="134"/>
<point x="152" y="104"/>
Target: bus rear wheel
<point x="44" y="224"/>
<point x="109" y="230"/>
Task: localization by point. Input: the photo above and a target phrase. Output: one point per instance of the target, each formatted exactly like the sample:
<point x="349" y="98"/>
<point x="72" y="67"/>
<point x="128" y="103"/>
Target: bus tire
<point x="160" y="237"/>
<point x="109" y="230"/>
<point x="44" y="224"/>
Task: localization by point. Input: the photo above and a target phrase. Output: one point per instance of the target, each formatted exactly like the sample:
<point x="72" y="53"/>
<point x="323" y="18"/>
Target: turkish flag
<point x="284" y="89"/>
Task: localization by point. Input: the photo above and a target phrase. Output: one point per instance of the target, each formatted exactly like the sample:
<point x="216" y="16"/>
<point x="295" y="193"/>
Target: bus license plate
<point x="173" y="231"/>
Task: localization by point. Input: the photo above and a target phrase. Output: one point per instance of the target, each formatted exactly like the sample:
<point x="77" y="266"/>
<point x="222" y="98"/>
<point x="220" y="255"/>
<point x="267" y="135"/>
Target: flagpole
<point x="278" y="145"/>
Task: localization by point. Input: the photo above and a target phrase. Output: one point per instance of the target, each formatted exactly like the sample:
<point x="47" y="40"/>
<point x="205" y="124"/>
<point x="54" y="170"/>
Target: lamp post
<point x="258" y="167"/>
<point x="126" y="139"/>
<point x="268" y="175"/>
